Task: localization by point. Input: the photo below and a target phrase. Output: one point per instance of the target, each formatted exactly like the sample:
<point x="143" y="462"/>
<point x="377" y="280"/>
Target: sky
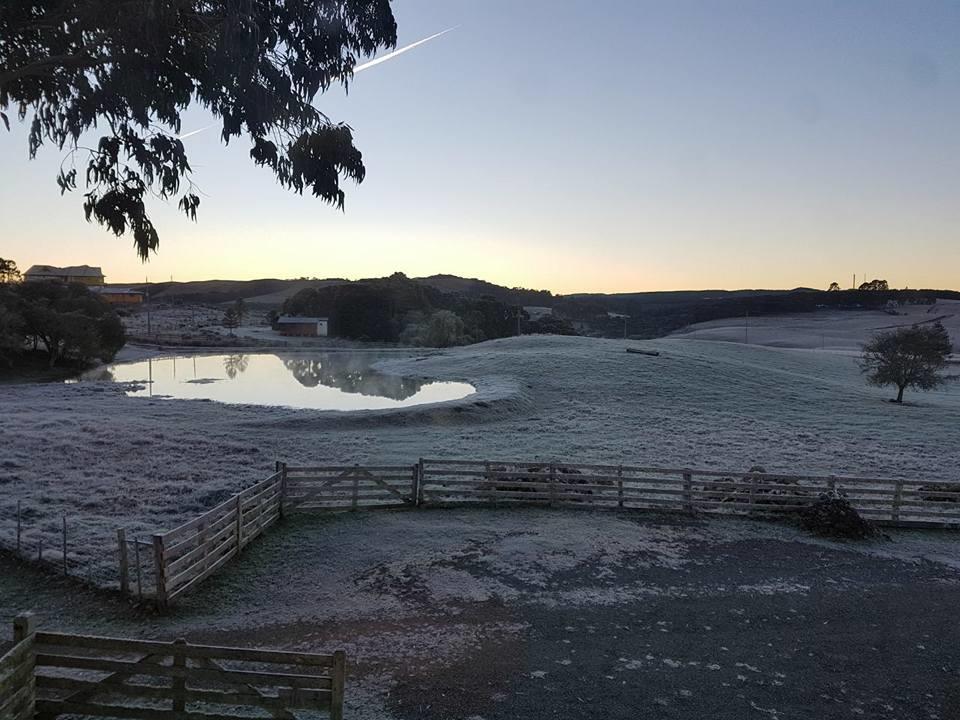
<point x="587" y="146"/>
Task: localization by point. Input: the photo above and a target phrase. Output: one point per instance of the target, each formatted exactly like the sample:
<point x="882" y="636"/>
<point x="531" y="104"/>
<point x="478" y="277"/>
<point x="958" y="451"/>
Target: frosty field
<point x="520" y="612"/>
<point x="106" y="460"/>
<point x="838" y="330"/>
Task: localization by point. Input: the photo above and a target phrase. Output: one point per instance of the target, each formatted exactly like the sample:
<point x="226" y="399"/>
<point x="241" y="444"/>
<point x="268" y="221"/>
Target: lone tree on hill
<point x="907" y="357"/>
<point x="875" y="285"/>
<point x="240" y="308"/>
<point x="71" y="66"/>
<point x="231" y="320"/>
<point x="834" y="287"/>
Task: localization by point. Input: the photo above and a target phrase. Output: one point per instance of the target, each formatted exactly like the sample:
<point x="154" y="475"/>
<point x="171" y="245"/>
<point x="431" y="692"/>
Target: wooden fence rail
<point x="67" y="674"/>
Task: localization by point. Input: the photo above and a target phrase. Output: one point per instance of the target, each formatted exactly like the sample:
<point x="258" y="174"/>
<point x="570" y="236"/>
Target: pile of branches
<point x="833" y="516"/>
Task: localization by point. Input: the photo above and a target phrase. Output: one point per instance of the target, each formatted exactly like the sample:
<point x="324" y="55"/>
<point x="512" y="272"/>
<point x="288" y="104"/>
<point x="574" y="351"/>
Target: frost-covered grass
<point x="106" y="460"/>
<point x="836" y="330"/>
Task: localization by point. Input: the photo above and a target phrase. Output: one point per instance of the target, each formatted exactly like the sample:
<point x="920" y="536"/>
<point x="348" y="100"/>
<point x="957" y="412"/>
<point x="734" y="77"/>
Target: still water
<point x="332" y="381"/>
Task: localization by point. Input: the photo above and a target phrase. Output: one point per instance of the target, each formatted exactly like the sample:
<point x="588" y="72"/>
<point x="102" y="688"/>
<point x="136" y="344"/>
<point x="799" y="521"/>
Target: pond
<point x="329" y="381"/>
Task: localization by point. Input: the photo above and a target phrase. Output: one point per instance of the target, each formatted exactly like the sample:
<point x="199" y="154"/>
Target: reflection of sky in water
<point x="322" y="382"/>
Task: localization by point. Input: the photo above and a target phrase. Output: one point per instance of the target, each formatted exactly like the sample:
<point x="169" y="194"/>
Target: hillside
<point x="472" y="287"/>
<point x="650" y="314"/>
<point x="268" y="291"/>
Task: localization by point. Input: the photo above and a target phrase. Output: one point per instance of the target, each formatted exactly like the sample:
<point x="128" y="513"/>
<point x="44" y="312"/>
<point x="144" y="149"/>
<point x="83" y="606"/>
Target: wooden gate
<point x="348" y="487"/>
<point x="154" y="680"/>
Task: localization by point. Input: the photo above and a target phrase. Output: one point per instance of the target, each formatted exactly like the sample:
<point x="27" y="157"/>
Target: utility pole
<point x="746" y="328"/>
<point x="519" y="311"/>
<point x="625" y="327"/>
<point x="148" y="306"/>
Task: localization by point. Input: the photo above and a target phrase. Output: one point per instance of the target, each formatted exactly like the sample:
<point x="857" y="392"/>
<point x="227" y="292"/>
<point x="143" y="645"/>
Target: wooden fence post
<point x="414" y="482"/>
<point x="64" y="544"/>
<point x="239" y="522"/>
<point x="202" y="543"/>
<point x="490" y="487"/>
<point x="897" y="500"/>
<point x="160" y="572"/>
<point x="619" y="485"/>
<point x="24" y="625"/>
<point x="180" y="682"/>
<point x="336" y="692"/>
<point x="688" y="491"/>
<point x="356" y="486"/>
<point x="420" y="482"/>
<point x="124" y="566"/>
<point x="282" y="469"/>
<point x="136" y="557"/>
<point x="553" y="485"/>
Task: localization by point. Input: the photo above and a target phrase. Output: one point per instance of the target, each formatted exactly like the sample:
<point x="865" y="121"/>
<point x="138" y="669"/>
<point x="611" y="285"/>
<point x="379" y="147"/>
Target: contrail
<point x="194" y="132"/>
<point x="358" y="68"/>
<point x="391" y="55"/>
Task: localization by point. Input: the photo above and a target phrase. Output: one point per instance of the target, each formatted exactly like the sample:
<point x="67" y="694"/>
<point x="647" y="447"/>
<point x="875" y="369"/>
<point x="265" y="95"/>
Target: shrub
<point x="833" y="516"/>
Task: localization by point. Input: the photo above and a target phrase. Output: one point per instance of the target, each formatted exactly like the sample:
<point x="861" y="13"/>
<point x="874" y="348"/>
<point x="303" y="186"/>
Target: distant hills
<point x="649" y="314"/>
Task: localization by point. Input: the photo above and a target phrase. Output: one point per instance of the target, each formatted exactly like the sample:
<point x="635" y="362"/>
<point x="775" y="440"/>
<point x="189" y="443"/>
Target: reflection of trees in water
<point x="351" y="374"/>
<point x="99" y="375"/>
<point x="235" y="364"/>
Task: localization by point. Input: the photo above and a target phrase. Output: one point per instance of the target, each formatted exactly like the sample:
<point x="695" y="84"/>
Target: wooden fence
<point x="17" y="681"/>
<point x="185" y="556"/>
<point x="885" y="501"/>
<point x="151" y="680"/>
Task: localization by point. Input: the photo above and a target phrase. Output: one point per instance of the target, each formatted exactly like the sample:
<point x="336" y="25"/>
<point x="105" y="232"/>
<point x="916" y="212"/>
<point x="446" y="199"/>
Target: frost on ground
<point x="832" y="330"/>
<point x="558" y="613"/>
<point x="105" y="461"/>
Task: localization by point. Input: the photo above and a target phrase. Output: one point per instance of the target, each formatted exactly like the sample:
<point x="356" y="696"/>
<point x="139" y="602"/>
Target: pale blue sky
<point x="590" y="146"/>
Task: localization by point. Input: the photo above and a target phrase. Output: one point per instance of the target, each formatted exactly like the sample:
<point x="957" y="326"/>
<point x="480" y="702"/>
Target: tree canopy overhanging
<point x="129" y="68"/>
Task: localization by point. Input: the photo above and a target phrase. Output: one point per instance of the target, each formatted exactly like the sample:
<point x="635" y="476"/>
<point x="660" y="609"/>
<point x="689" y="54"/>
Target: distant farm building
<point x="302" y="326"/>
<point x="119" y="296"/>
<point x="75" y="274"/>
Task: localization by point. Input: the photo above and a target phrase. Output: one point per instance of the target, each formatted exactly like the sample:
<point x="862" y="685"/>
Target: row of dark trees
<point x="60" y="323"/>
<point x="871" y="286"/>
<point x="398" y="308"/>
